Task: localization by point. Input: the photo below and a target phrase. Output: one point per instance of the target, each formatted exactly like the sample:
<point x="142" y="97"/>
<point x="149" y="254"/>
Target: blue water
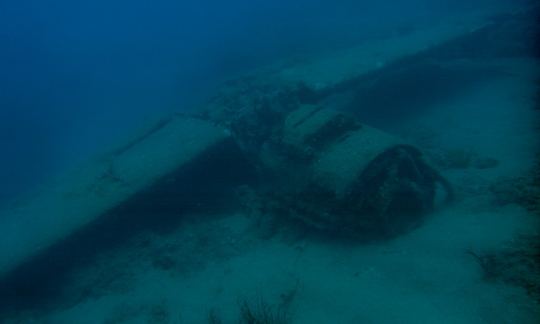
<point x="75" y="75"/>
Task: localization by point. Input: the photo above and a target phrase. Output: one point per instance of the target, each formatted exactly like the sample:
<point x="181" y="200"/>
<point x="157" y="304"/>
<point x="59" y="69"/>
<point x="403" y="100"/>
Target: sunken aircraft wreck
<point x="317" y="166"/>
<point x="286" y="134"/>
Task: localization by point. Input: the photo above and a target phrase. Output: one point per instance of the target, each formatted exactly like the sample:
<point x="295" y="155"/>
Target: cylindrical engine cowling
<point x="340" y="176"/>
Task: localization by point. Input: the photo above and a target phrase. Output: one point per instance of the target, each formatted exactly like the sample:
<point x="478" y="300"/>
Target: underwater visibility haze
<point x="269" y="161"/>
<point x="76" y="73"/>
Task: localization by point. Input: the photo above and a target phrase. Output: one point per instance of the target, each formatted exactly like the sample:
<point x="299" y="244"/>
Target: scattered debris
<point x="522" y="190"/>
<point x="462" y="159"/>
<point x="485" y="163"/>
<point x="518" y="264"/>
